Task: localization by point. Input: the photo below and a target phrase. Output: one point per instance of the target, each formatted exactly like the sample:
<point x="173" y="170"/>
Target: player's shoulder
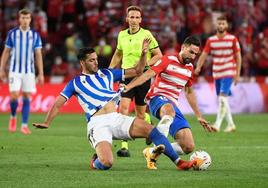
<point x="189" y="66"/>
<point x="171" y="57"/>
<point x="123" y="33"/>
<point x="34" y="31"/>
<point x="13" y="30"/>
<point x="146" y="31"/>
<point x="213" y="37"/>
<point x="229" y="36"/>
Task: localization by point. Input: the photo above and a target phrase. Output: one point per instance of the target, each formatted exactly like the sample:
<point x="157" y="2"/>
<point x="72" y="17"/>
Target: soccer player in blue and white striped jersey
<point x="22" y="48"/>
<point x="94" y="91"/>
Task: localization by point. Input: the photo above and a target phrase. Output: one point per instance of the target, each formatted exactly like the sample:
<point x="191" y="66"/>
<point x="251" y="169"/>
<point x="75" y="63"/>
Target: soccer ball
<point x="203" y="160"/>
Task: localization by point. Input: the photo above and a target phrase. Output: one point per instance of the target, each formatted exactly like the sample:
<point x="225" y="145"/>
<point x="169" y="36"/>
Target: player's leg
<point x="140" y="104"/>
<point x="225" y="92"/>
<point x="184" y="141"/>
<point x="14" y="89"/>
<point x="14" y="95"/>
<point x="25" y="112"/>
<point x="124" y="109"/>
<point x="104" y="159"/>
<point x="162" y="108"/>
<point x="181" y="132"/>
<point x="99" y="135"/>
<point x="148" y="120"/>
<point x="140" y="129"/>
<point x="28" y="87"/>
<point x="221" y="112"/>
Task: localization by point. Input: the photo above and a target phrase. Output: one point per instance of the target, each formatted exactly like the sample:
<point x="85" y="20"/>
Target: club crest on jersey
<point x="101" y="75"/>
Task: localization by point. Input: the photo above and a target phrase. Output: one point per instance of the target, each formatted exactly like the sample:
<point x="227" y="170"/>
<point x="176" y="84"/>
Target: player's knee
<point x="148" y="128"/>
<point x="124" y="109"/>
<point x="140" y="115"/>
<point x="108" y="163"/>
<point x="167" y="109"/>
<point x="14" y="96"/>
<point x="188" y="148"/>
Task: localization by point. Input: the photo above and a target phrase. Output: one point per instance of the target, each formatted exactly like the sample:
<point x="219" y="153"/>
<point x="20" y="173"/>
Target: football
<point x="203" y="160"/>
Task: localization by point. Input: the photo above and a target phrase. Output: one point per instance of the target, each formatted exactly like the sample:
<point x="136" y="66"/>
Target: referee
<point x="128" y="53"/>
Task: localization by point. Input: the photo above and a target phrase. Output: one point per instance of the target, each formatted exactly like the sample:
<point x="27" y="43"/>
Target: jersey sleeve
<point x="9" y="43"/>
<point x="154" y="43"/>
<point x="68" y="91"/>
<point x="38" y="42"/>
<point x="118" y="74"/>
<point x="160" y="65"/>
<point x="119" y="45"/>
<point x="207" y="47"/>
<point x="236" y="45"/>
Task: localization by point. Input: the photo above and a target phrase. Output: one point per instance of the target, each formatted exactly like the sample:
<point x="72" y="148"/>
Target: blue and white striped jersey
<point x="93" y="91"/>
<point x="22" y="45"/>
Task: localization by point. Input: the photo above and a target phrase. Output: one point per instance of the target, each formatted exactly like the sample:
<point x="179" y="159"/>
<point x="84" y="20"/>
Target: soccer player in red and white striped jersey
<point x="225" y="51"/>
<point x="172" y="74"/>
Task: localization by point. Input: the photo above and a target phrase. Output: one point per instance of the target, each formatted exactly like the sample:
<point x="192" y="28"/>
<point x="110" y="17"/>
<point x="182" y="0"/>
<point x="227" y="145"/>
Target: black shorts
<point x="138" y="93"/>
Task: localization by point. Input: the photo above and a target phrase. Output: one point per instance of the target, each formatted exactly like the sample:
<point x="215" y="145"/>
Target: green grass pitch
<point x="59" y="157"/>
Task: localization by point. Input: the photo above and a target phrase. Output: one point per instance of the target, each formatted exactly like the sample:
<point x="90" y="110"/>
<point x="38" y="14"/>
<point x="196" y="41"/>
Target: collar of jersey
<point x="133" y="33"/>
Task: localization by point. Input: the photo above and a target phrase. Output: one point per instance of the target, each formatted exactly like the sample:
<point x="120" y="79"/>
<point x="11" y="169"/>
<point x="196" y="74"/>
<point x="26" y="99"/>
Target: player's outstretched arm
<point x="139" y="80"/>
<point x="200" y="63"/>
<point x="190" y="95"/>
<point x="51" y="113"/>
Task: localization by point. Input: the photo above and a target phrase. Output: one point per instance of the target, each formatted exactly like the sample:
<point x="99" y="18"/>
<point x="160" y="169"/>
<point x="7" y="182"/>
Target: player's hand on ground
<point x="205" y="124"/>
<point x="40" y="125"/>
<point x="145" y="45"/>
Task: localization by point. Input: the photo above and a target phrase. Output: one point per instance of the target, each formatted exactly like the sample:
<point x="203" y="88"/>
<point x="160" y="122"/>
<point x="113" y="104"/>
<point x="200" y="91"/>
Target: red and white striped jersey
<point x="223" y="52"/>
<point x="171" y="77"/>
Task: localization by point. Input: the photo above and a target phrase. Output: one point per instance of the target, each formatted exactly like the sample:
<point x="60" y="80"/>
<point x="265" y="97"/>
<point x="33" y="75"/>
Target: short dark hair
<point x="136" y="8"/>
<point x="192" y="40"/>
<point x="25" y="11"/>
<point x="82" y="53"/>
<point x="222" y="18"/>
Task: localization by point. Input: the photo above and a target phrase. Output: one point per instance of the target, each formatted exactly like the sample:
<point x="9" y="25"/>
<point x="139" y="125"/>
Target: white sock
<point x="164" y="124"/>
<point x="228" y="116"/>
<point x="177" y="148"/>
<point x="24" y="125"/>
<point x="221" y="112"/>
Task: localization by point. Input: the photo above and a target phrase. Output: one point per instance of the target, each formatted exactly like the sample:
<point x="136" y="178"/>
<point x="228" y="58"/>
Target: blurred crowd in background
<point x="67" y="25"/>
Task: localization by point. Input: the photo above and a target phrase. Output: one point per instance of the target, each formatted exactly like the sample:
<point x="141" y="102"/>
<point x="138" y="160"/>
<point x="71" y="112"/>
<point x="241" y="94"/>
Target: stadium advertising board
<point x="246" y="98"/>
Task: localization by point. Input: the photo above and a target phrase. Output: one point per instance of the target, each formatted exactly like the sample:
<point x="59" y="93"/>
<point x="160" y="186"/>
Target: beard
<point x="186" y="60"/>
<point x="221" y="31"/>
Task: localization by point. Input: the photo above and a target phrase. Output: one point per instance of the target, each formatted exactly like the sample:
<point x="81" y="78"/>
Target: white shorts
<point x="24" y="82"/>
<point x="108" y="127"/>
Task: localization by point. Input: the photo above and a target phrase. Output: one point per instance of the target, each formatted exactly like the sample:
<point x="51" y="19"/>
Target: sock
<point x="164" y="124"/>
<point x="25" y="111"/>
<point x="159" y="138"/>
<point x="13" y="107"/>
<point x="177" y="148"/>
<point x="228" y="116"/>
<point x="124" y="144"/>
<point x="221" y="112"/>
<point x="97" y="164"/>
